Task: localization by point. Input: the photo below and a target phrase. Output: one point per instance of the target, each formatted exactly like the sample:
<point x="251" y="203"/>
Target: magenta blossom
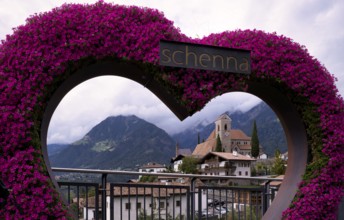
<point x="51" y="46"/>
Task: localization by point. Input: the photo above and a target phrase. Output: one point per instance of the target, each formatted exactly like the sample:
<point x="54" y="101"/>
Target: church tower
<point x="177" y="149"/>
<point x="223" y="126"/>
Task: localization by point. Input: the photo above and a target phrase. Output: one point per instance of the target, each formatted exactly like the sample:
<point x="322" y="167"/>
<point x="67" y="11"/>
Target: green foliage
<point x="253" y="171"/>
<point x="260" y="169"/>
<point x="143" y="215"/>
<point x="278" y="167"/>
<point x="149" y="179"/>
<point x="74" y="207"/>
<point x="218" y="147"/>
<point x="311" y="119"/>
<point x="189" y="165"/>
<point x="315" y="136"/>
<point x="90" y="192"/>
<point x="248" y="213"/>
<point x="254" y="141"/>
<point x="169" y="169"/>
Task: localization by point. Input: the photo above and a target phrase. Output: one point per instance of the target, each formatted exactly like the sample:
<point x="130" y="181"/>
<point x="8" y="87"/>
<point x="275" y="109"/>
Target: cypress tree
<point x="218" y="147"/>
<point x="254" y="141"/>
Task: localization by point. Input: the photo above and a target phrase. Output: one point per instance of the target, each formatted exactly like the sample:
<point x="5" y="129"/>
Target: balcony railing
<point x="177" y="200"/>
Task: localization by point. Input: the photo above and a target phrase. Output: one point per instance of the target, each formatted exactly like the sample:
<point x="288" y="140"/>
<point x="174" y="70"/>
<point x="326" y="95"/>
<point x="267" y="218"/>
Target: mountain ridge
<point x="115" y="140"/>
<point x="270" y="132"/>
<point x="126" y="142"/>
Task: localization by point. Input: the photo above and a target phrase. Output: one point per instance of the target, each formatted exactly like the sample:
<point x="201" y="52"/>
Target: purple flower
<point x="51" y="44"/>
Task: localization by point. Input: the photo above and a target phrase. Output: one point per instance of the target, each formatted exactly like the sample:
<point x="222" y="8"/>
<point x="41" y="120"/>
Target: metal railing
<point x="81" y="191"/>
<point x="190" y="200"/>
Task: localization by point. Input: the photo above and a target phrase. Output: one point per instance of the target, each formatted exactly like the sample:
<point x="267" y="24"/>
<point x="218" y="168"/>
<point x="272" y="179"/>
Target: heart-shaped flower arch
<point x="39" y="56"/>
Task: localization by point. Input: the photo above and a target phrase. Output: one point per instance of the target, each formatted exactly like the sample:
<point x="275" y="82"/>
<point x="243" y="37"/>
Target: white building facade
<point x="152" y="167"/>
<point x="226" y="164"/>
<point x="163" y="203"/>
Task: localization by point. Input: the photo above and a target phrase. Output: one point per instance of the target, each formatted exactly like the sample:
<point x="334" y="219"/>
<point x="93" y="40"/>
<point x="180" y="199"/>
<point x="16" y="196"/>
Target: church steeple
<point x="223" y="126"/>
<point x="177" y="149"/>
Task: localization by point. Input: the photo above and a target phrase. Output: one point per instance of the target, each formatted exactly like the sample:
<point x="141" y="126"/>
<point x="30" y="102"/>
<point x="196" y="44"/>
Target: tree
<point x="188" y="165"/>
<point x="261" y="169"/>
<point x="253" y="171"/>
<point x="254" y="141"/>
<point x="150" y="179"/>
<point x="278" y="166"/>
<point x="218" y="147"/>
<point x="169" y="169"/>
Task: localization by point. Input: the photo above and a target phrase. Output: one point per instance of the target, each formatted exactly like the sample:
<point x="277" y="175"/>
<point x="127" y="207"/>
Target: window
<point x="138" y="205"/>
<point x="178" y="203"/>
<point x="239" y="173"/>
<point x="246" y="173"/>
<point x="225" y="127"/>
<point x="162" y="205"/>
<point x="127" y="205"/>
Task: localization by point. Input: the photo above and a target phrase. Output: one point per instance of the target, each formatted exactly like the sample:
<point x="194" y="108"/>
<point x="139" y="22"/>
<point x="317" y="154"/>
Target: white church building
<point x="231" y="139"/>
<point x="236" y="156"/>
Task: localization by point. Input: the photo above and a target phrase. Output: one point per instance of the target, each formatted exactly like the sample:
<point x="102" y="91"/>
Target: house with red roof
<point x="235" y="158"/>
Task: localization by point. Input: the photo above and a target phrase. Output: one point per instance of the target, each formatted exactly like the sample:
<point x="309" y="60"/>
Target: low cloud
<point x="94" y="100"/>
<point x="315" y="24"/>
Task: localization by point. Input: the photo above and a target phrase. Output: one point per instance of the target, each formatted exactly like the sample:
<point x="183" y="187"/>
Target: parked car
<point x="220" y="210"/>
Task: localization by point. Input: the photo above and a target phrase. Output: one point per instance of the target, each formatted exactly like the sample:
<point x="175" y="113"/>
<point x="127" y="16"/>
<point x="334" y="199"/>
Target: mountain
<point x="55" y="148"/>
<point x="118" y="142"/>
<point x="126" y="142"/>
<point x="270" y="131"/>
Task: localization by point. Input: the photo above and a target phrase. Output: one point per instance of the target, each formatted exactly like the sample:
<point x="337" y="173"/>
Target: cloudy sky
<point x="317" y="24"/>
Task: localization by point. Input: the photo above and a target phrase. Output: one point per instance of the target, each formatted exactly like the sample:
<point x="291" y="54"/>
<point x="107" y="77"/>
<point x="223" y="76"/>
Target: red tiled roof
<point x="153" y="165"/>
<point x="209" y="145"/>
<point x="237" y="134"/>
<point x="184" y="152"/>
<point x="205" y="147"/>
<point x="229" y="156"/>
